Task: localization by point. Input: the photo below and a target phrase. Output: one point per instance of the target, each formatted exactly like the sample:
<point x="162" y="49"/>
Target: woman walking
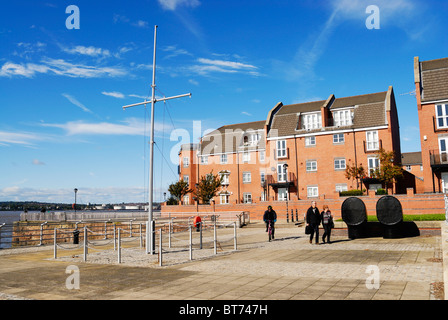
<point x="327" y="222"/>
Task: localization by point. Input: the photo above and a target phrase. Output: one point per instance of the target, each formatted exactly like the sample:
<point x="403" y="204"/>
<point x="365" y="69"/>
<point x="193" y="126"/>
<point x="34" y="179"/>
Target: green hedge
<point x="350" y="193"/>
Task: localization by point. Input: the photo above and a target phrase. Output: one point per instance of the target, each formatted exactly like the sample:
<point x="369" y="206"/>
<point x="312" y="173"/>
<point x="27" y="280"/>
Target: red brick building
<point x="300" y="151"/>
<point x="431" y="82"/>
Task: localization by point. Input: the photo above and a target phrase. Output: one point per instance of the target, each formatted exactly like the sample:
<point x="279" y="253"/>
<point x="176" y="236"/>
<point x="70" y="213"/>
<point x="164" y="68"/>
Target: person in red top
<point x="197" y="222"/>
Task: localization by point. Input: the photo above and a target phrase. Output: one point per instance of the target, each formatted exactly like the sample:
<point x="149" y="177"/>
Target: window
<point x="338" y="138"/>
<point x="339" y="164"/>
<point x="343" y="118"/>
<point x="187" y="179"/>
<point x="312" y="121"/>
<point x="246" y="157"/>
<point x="251" y="139"/>
<point x="311" y="165"/>
<point x="281" y="172"/>
<point x="341" y="187"/>
<point x="442" y="115"/>
<point x="373" y="164"/>
<point x="225" y="178"/>
<point x="224" y="198"/>
<point x="310" y="141"/>
<point x="312" y="191"/>
<point x="186" y="162"/>
<point x="223" y="159"/>
<point x="408" y="168"/>
<point x="262" y="156"/>
<point x="247" y="177"/>
<point x="204" y="160"/>
<point x="443" y="144"/>
<point x="262" y="177"/>
<point x="372" y="140"/>
<point x="187" y="199"/>
<point x="247" y="197"/>
<point x="281" y="149"/>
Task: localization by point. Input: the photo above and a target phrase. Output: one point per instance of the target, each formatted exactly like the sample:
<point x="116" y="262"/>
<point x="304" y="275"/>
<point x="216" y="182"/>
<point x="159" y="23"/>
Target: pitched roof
<point x="434" y="79"/>
<point x="229" y="138"/>
<point x="411" y="158"/>
<point x="369" y="112"/>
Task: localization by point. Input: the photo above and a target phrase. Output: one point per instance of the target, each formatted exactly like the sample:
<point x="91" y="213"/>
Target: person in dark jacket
<point x="313" y="220"/>
<point x="271" y="215"/>
<point x="327" y="223"/>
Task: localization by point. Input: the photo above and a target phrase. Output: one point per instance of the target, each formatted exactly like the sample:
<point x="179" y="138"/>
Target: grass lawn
<point x="416" y="217"/>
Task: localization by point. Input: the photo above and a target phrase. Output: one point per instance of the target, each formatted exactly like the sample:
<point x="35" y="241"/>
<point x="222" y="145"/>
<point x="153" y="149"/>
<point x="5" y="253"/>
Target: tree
<point x="353" y="172"/>
<point x="179" y="189"/>
<point x="208" y="187"/>
<point x="388" y="170"/>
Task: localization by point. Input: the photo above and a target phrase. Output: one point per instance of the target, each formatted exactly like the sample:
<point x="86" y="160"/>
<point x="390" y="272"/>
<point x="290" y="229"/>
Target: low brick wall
<point x="410" y="202"/>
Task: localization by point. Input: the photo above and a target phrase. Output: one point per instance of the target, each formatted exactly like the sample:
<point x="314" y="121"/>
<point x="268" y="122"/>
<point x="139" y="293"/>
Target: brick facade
<point x="431" y="83"/>
<point x="300" y="152"/>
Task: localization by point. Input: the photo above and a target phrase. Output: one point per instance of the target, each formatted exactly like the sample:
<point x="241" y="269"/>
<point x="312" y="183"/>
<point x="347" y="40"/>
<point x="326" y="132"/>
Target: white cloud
<point x="20" y="138"/>
<point x="246" y="113"/>
<point x="88" y="51"/>
<point x="130" y="126"/>
<point x="208" y="66"/>
<point x="94" y="195"/>
<point x="37" y="162"/>
<point x="114" y="94"/>
<point x="59" y="67"/>
<point x="76" y="103"/>
<point x="173" y="4"/>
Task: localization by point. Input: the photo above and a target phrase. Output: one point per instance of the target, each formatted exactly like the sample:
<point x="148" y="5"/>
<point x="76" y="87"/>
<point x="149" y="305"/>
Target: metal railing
<point x="179" y="238"/>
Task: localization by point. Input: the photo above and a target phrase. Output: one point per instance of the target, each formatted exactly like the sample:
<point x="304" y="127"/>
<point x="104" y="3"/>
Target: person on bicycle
<point x="270" y="216"/>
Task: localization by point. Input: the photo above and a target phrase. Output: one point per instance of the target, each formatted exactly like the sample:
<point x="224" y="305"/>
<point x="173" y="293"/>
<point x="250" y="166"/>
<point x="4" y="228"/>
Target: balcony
<point x="273" y="181"/>
<point x="438" y="160"/>
<point x="375" y="150"/>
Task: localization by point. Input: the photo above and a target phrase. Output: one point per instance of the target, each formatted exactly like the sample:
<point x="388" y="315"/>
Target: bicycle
<point x="271" y="230"/>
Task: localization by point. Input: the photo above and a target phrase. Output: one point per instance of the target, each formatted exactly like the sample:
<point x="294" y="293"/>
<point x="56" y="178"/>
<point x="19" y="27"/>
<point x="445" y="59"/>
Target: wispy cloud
<point x="130" y="126"/>
<point x="58" y="67"/>
<point x="207" y="66"/>
<point x="74" y="101"/>
<point x="114" y="94"/>
<point x="246" y="113"/>
<point x="93" y="195"/>
<point x="123" y="19"/>
<point x="37" y="162"/>
<point x="27" y="139"/>
<point x="174" y="4"/>
<point x="88" y="51"/>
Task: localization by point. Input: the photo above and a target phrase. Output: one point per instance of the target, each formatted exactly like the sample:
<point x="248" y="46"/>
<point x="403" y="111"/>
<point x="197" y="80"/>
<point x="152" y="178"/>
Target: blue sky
<point x="62" y="125"/>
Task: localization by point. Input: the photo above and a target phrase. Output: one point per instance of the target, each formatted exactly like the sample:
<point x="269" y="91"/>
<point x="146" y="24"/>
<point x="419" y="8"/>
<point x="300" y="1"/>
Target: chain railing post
<point x="191" y="243"/>
<point x="119" y="245"/>
<point x="234" y="235"/>
<point x="55" y="249"/>
<point x="215" y="249"/>
<point x="160" y="249"/>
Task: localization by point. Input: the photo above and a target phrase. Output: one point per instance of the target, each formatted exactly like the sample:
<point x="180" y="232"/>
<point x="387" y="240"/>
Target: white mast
<point x="150" y="245"/>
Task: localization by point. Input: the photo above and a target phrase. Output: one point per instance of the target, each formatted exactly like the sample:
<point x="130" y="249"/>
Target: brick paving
<point x="288" y="268"/>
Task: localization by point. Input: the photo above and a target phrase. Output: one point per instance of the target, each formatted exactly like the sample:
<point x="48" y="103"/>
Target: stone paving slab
<point x="288" y="268"/>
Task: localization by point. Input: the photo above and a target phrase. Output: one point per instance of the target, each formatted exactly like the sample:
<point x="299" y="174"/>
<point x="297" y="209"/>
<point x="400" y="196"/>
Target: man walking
<point x="313" y="220"/>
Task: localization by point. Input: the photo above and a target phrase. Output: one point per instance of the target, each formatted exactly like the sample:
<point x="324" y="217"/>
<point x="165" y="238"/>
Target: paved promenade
<point x="287" y="268"/>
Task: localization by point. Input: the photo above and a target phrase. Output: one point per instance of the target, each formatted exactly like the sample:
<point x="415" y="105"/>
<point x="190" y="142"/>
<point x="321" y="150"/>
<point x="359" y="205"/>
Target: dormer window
<point x="311" y="121"/>
<point x="343" y="117"/>
<point x="251" y="139"/>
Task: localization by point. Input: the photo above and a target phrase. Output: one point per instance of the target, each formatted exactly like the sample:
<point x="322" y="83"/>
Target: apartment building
<point x="300" y="151"/>
<point x="431" y="83"/>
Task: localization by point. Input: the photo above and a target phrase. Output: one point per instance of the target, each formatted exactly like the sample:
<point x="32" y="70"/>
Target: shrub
<point x="350" y="193"/>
